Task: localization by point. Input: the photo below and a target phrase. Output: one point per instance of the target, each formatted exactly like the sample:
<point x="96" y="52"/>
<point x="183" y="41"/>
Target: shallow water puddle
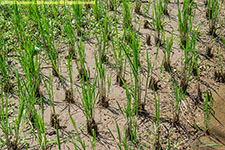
<point x="217" y="125"/>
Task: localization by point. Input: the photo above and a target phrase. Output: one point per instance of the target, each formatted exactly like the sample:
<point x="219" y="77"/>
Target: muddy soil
<point x="182" y="135"/>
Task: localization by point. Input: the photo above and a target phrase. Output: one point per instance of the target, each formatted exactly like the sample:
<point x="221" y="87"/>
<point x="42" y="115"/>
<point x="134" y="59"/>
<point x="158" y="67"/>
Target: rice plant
<point x="101" y="69"/>
<point x="119" y="144"/>
<point x="153" y="81"/>
<point x="98" y="10"/>
<point x="167" y="62"/>
<point x="5" y="68"/>
<point x="112" y="5"/>
<point x="158" y="21"/>
<point x="106" y="37"/>
<point x="69" y="92"/>
<point x="37" y="40"/>
<point x="157" y="144"/>
<point x="78" y="14"/>
<point x="54" y="117"/>
<point x="219" y="74"/>
<point x="212" y="13"/>
<point x="11" y="130"/>
<point x="137" y="8"/>
<point x="83" y="74"/>
<point x="130" y="112"/>
<point x="165" y="7"/>
<point x="178" y="95"/>
<point x="82" y="142"/>
<point x="185" y="18"/>
<point x="127" y="18"/>
<point x="119" y="58"/>
<point x="31" y="66"/>
<point x="135" y="67"/>
<point x="190" y="57"/>
<point x="207" y="111"/>
<point x="88" y="98"/>
<point x="47" y="36"/>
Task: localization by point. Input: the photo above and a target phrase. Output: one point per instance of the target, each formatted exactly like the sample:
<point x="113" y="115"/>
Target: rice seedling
<point x="119" y="144"/>
<point x="98" y="10"/>
<point x="54" y="117"/>
<point x="149" y="67"/>
<point x="137" y="7"/>
<point x="69" y="96"/>
<point x="5" y="68"/>
<point x="106" y="37"/>
<point x="82" y="142"/>
<point x="83" y="74"/>
<point x="178" y="95"/>
<point x="122" y="143"/>
<point x="219" y="74"/>
<point x="40" y="128"/>
<point x="127" y="18"/>
<point x="212" y="13"/>
<point x="88" y="98"/>
<point x="190" y="57"/>
<point x="209" y="50"/>
<point x="78" y="14"/>
<point x="130" y="113"/>
<point x="47" y="37"/>
<point x="31" y="66"/>
<point x="165" y="7"/>
<point x="146" y="8"/>
<point x="167" y="62"/>
<point x="158" y="21"/>
<point x="36" y="120"/>
<point x="185" y="21"/>
<point x="112" y="5"/>
<point x="119" y="58"/>
<point x="207" y="111"/>
<point x="153" y="82"/>
<point x="157" y="144"/>
<point x="135" y="67"/>
<point x="38" y="39"/>
<point x="101" y="69"/>
<point x="58" y="138"/>
<point x="11" y="130"/>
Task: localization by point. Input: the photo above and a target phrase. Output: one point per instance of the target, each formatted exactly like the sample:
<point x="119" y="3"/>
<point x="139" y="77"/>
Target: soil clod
<point x="111" y="6"/>
<point x="7" y="87"/>
<point x="167" y="65"/>
<point x="120" y="79"/>
<point x="92" y="127"/>
<point x="69" y="96"/>
<point x="219" y="76"/>
<point x="200" y="99"/>
<point x="153" y="84"/>
<point x="104" y="58"/>
<point x="54" y="120"/>
<point x="209" y="51"/>
<point x="54" y="72"/>
<point x="146" y="24"/>
<point x="138" y="7"/>
<point x="141" y="110"/>
<point x="103" y="101"/>
<point x="148" y="40"/>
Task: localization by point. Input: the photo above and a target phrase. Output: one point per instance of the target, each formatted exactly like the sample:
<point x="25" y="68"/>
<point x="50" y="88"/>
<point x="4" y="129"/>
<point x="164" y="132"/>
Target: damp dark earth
<point x="112" y="75"/>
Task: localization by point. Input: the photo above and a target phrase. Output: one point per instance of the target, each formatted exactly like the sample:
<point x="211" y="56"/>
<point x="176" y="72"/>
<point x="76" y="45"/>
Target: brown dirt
<point x="182" y="133"/>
